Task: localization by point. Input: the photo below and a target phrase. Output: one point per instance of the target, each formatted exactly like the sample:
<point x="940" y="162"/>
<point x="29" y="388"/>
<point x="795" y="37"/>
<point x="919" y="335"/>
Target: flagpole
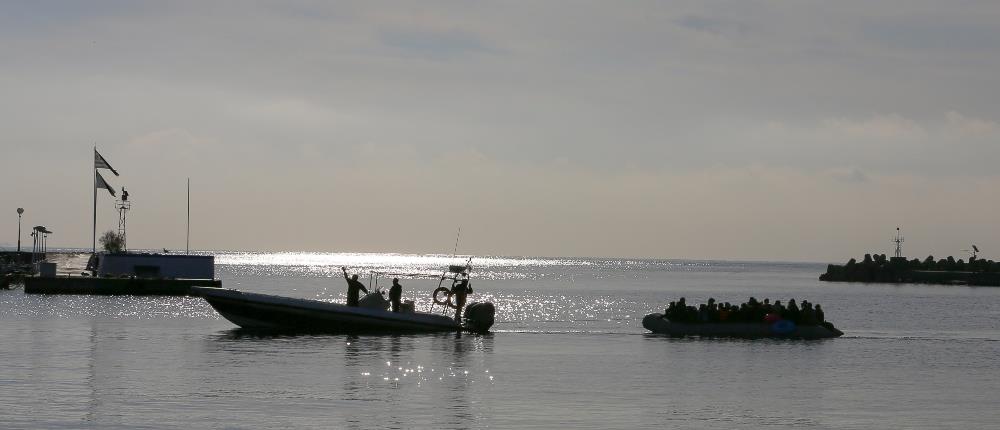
<point x="95" y="204"/>
<point x="188" y="246"/>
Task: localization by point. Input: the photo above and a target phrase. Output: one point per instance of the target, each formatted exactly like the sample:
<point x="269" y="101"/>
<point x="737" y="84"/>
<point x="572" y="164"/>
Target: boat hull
<point x="254" y="311"/>
<point x="657" y="324"/>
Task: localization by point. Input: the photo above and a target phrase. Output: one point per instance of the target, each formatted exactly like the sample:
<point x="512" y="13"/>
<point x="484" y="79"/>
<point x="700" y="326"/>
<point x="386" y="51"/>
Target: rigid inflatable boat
<point x="782" y="329"/>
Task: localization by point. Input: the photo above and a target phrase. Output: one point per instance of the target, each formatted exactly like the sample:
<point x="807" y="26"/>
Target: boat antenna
<point x="444" y="273"/>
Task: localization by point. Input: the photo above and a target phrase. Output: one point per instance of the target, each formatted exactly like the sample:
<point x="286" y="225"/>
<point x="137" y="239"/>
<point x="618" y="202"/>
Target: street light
<point x="34" y="244"/>
<point x="45" y="240"/>
<point x="19" y="212"/>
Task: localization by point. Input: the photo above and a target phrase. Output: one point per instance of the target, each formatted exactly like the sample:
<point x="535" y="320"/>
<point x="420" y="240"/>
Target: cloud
<point x="294" y="113"/>
<point x="435" y="45"/>
<point x="173" y="138"/>
<point x="562" y="129"/>
<point x="702" y="24"/>
<point x="939" y="34"/>
<point x="882" y="128"/>
<point x="951" y="144"/>
<point x="849" y="174"/>
<point x="713" y="26"/>
<point x="170" y="146"/>
<point x="961" y="126"/>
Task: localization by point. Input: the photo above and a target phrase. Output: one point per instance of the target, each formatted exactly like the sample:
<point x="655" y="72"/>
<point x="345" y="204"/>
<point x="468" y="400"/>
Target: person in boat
<point x="792" y="311"/>
<point x="460" y="289"/>
<point x="354" y="288"/>
<point x="670" y="311"/>
<point x="724" y="312"/>
<point x="680" y="311"/>
<point x="686" y="313"/>
<point x="808" y="314"/>
<point x="395" y="294"/>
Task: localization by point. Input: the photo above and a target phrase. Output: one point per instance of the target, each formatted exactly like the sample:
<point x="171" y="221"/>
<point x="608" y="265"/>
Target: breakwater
<point x="947" y="271"/>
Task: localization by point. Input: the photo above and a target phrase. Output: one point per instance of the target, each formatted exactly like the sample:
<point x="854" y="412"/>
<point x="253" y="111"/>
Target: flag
<point x="101" y="163"/>
<point x="102" y="184"/>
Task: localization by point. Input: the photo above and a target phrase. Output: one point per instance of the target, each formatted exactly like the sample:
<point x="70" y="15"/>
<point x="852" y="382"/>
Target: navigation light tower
<point x="898" y="240"/>
<point x="123" y="207"/>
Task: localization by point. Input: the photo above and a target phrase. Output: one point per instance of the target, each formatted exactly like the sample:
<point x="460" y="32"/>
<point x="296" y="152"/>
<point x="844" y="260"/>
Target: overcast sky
<point x="761" y="130"/>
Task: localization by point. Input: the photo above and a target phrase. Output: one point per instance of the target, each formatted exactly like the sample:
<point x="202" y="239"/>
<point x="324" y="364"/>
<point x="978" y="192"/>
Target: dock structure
<point x="17" y="258"/>
<point x="136" y="274"/>
<point x="14" y="266"/>
<point x="114" y="286"/>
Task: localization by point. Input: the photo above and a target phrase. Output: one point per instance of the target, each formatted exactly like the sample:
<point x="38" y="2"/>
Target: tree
<point x="112" y="242"/>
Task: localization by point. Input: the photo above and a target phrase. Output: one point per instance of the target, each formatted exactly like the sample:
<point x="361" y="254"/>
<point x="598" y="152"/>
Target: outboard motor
<point x="478" y="316"/>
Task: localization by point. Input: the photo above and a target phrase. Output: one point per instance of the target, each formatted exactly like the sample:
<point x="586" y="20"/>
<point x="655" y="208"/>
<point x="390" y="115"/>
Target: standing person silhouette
<point x="395" y="294"/>
<point x="460" y="289"/>
<point x="354" y="287"/>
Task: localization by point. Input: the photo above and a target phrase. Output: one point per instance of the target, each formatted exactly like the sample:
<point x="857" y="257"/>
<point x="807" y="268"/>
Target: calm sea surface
<point x="568" y="351"/>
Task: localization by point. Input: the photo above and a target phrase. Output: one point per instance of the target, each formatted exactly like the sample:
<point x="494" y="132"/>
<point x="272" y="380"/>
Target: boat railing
<point x="453" y="273"/>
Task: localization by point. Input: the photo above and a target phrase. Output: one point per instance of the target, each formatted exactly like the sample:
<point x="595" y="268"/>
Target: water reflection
<point x="396" y="381"/>
<point x="455" y="389"/>
<point x="96" y="362"/>
<point x="93" y="404"/>
<point x="430" y="374"/>
<point x="240" y="333"/>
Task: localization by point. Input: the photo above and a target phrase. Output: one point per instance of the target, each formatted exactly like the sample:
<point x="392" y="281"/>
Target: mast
<point x="94" y="186"/>
<point x="188" y="243"/>
<point x="898" y="240"/>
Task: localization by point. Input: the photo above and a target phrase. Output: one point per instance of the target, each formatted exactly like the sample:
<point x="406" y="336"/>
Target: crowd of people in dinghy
<point x="749" y="312"/>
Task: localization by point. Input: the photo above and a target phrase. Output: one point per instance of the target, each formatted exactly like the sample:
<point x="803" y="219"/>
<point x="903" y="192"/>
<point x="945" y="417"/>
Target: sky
<point x="746" y="130"/>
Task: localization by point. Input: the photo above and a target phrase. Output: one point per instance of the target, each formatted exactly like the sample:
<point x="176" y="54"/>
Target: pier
<point x="114" y="286"/>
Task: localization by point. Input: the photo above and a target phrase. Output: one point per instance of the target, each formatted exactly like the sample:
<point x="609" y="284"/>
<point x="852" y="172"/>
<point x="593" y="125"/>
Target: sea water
<point x="568" y="351"/>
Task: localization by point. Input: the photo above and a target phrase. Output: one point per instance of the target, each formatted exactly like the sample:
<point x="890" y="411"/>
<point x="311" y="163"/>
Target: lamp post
<point x="46" y="243"/>
<point x="34" y="243"/>
<point x="39" y="246"/>
<point x="19" y="212"/>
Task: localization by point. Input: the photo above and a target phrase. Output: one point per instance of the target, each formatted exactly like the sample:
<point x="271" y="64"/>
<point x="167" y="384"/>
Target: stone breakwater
<point x="947" y="271"/>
